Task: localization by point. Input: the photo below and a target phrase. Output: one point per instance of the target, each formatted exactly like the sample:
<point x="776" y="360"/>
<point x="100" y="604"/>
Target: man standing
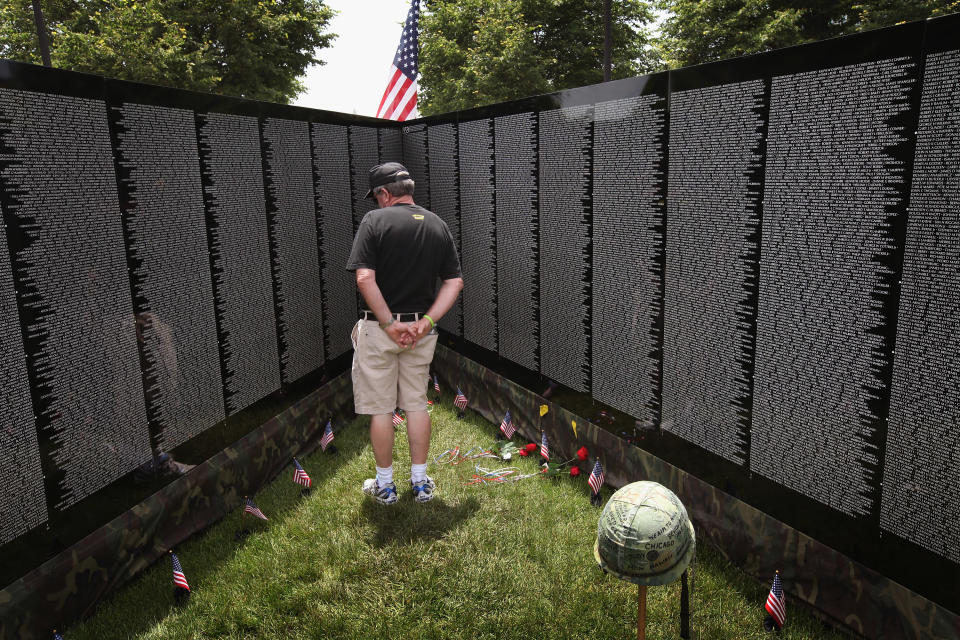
<point x="398" y="254"/>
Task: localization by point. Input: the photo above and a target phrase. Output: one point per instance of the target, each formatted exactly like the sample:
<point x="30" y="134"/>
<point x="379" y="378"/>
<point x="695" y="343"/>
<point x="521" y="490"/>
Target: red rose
<point x="582" y="453"/>
<point x="531" y="447"/>
<point x="574" y="471"/>
<point x="523" y="452"/>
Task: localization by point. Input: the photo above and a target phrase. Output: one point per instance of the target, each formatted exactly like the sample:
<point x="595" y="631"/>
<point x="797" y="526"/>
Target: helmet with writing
<point x="644" y="535"/>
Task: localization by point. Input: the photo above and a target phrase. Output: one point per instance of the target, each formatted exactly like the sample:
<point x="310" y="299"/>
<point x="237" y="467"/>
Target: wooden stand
<point x="641" y="612"/>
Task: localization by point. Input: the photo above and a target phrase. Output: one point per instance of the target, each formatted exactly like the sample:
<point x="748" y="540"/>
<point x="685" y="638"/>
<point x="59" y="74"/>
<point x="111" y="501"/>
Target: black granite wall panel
<point x="331" y="170"/>
<point x="443" y="159"/>
<point x="173" y="292"/>
<point x="296" y="271"/>
<point x="236" y="216"/>
<point x="516" y="205"/>
<point x="628" y="226"/>
<point x="70" y="268"/>
<point x="921" y="480"/>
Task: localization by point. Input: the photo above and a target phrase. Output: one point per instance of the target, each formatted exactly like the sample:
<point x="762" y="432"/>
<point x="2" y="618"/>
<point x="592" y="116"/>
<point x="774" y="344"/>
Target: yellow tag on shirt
<point x="417" y="216"/>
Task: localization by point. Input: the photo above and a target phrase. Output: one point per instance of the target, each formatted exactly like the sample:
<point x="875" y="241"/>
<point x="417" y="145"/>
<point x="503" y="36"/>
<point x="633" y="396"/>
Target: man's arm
<point x="367" y="285"/>
<point x="447" y="295"/>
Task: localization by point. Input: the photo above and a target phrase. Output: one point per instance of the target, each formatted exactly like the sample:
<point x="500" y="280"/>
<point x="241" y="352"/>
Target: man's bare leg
<point x="418" y="435"/>
<point x="381" y="437"/>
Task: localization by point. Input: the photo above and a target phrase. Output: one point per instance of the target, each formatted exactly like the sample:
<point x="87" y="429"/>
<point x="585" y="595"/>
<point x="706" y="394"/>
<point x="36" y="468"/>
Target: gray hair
<point x="399" y="188"/>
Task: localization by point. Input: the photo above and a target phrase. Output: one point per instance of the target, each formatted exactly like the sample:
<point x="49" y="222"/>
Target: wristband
<point x="384" y="325"/>
<point x="432" y="323"/>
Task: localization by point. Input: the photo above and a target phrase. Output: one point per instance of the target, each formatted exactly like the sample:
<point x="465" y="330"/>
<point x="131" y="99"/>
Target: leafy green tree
<point x="698" y="31"/>
<point x="251" y="48"/>
<point x="475" y="52"/>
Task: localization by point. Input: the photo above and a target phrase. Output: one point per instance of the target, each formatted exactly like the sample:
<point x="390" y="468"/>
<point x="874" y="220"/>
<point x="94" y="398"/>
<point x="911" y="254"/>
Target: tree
<point x="475" y="52"/>
<point x="250" y="48"/>
<point x="698" y="31"/>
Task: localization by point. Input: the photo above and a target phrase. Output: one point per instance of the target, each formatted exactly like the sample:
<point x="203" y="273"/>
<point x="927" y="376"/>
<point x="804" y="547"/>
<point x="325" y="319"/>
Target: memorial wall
<point x="752" y="263"/>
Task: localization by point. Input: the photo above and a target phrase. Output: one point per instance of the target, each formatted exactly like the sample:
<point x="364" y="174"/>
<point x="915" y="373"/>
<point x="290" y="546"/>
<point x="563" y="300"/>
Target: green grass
<point x="504" y="561"/>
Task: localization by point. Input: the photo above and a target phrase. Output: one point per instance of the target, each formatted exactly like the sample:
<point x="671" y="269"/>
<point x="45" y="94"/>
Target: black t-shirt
<point x="409" y="248"/>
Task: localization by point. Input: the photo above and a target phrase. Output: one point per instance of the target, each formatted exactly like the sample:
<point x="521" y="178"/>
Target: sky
<point x="358" y="64"/>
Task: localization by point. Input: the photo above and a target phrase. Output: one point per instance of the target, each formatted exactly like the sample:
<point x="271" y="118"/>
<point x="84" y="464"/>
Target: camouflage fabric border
<point x="842" y="591"/>
<point x="69" y="586"/>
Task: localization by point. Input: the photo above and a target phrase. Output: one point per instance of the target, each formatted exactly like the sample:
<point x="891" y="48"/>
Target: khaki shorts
<point x="384" y="375"/>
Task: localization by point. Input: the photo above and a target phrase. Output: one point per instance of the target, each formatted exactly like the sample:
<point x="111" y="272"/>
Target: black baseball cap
<point x="385" y="174"/>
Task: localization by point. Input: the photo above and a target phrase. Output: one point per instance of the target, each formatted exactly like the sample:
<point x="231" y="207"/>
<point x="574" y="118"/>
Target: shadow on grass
<point x="407" y="521"/>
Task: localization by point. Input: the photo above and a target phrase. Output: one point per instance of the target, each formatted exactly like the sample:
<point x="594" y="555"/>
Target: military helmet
<point x="644" y="535"/>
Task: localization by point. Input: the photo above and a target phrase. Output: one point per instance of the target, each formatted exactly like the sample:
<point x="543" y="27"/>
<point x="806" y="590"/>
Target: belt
<point x="399" y="317"/>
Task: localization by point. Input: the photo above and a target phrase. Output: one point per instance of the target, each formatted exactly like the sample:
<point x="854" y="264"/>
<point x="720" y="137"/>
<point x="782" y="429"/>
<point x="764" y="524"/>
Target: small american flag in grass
<point x="299" y="475"/>
<point x="179" y="580"/>
<point x="327" y="437"/>
<point x="436" y="384"/>
<point x="507" y="425"/>
<point x="544" y="446"/>
<point x="775" y="606"/>
<point x="397" y="418"/>
<point x="57" y="636"/>
<point x="252" y="509"/>
<point x="596" y="478"/>
<point x="460" y="401"/>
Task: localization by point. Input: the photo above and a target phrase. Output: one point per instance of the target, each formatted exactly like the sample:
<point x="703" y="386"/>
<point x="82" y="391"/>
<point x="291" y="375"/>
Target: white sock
<point x="418" y="473"/>
<point x="384" y="476"/>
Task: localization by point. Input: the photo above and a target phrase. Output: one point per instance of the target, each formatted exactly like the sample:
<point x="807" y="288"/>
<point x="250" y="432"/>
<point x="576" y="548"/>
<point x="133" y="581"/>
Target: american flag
<point x="397" y="418"/>
<point x="179" y="580"/>
<point x="507" y="425"/>
<point x="460" y="401"/>
<point x="252" y="509"/>
<point x="400" y="98"/>
<point x="774" y="604"/>
<point x="57" y="636"/>
<point x="544" y="447"/>
<point x="299" y="475"/>
<point x="436" y="385"/>
<point x="596" y="477"/>
<point x="327" y="437"/>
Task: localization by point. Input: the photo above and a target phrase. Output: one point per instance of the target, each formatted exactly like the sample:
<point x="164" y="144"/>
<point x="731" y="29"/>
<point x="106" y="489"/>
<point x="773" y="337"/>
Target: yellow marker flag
<point x="543" y="410"/>
<point x="573" y="423"/>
